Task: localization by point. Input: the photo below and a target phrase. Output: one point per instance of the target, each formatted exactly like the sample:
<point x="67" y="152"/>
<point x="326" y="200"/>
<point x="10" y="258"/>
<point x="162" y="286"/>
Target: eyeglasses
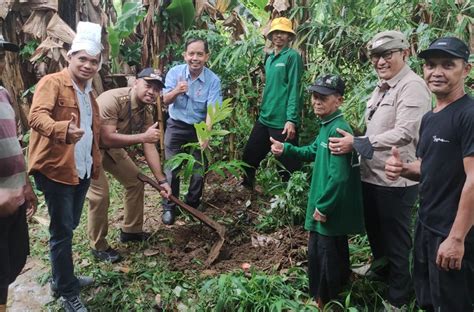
<point x="387" y="55"/>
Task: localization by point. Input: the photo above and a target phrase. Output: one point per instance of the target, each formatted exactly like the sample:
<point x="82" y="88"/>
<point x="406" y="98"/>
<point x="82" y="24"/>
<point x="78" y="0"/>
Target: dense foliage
<point x="331" y="37"/>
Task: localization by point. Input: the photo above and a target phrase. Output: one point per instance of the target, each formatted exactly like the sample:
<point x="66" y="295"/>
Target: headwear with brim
<point x="150" y="74"/>
<point x="281" y="24"/>
<point x="8" y="46"/>
<point x="328" y="84"/>
<point x="387" y="40"/>
<point x="448" y="45"/>
<point x="87" y="38"/>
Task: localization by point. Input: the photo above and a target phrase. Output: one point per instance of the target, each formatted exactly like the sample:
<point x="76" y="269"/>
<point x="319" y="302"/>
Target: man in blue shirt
<point x="189" y="90"/>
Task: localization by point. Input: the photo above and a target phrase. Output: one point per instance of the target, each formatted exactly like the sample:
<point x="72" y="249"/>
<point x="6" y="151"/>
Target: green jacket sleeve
<point x="294" y="88"/>
<point x="305" y="153"/>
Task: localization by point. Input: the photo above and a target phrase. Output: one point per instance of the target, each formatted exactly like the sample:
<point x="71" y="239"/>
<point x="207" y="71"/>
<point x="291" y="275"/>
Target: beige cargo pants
<point x="116" y="162"/>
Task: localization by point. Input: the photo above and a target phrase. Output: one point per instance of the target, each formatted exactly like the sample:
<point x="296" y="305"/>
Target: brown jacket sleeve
<point x="44" y="112"/>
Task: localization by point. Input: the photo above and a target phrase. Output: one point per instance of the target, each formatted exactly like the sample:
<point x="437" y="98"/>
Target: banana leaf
<point x="183" y="11"/>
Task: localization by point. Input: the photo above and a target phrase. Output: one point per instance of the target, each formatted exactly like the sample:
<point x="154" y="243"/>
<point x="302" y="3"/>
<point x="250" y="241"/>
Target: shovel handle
<point x="198" y="214"/>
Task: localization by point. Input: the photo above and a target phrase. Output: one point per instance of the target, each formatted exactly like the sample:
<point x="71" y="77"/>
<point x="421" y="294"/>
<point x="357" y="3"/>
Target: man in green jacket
<point x="279" y="112"/>
<point x="335" y="199"/>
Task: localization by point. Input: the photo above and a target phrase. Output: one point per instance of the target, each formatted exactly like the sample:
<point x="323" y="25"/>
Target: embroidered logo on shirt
<point x="436" y="140"/>
<point x="280" y="65"/>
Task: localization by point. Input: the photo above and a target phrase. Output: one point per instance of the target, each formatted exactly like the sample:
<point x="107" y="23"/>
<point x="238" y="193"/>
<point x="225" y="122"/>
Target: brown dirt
<point x="187" y="243"/>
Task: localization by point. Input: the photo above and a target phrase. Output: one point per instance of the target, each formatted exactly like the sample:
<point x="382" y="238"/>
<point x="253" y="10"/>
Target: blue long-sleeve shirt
<point x="203" y="91"/>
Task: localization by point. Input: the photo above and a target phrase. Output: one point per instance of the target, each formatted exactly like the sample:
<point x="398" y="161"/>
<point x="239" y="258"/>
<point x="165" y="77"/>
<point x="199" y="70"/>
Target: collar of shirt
<point x="331" y="117"/>
<point x="133" y="100"/>
<point x="396" y="79"/>
<point x="87" y="89"/>
<point x="283" y="51"/>
<point x="188" y="74"/>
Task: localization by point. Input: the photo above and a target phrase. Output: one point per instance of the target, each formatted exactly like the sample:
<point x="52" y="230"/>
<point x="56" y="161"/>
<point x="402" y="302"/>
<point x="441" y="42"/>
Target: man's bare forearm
<point x="411" y="170"/>
<point x="117" y="140"/>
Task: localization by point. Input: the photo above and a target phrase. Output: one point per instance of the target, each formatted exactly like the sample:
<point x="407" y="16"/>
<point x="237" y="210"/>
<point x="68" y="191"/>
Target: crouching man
<point x="127" y="119"/>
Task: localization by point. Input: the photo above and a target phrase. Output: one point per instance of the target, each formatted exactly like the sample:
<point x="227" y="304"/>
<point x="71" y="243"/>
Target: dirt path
<point x="26" y="294"/>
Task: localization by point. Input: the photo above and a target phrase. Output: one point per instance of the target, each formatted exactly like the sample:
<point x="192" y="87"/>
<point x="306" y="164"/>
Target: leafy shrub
<point x="256" y="292"/>
<point x="288" y="204"/>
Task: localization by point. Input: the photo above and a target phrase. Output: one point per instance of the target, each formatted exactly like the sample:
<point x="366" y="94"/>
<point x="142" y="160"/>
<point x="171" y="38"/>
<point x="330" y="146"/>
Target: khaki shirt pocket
<point x="386" y="114"/>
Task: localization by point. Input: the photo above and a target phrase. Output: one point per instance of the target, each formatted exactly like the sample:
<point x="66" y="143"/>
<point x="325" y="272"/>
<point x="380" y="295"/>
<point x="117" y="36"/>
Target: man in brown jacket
<point x="64" y="153"/>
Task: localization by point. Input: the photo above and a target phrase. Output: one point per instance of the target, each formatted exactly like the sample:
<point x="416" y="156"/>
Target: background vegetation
<point x="331" y="37"/>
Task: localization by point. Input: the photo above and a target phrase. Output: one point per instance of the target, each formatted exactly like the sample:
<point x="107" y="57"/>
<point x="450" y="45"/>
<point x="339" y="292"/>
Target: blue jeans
<point x="65" y="204"/>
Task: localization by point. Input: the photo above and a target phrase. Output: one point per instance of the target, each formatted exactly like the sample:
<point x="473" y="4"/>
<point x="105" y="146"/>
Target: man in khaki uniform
<point x="393" y="118"/>
<point x="127" y="119"/>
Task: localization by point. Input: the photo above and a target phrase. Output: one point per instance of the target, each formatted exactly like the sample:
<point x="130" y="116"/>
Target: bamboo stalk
<point x="161" y="127"/>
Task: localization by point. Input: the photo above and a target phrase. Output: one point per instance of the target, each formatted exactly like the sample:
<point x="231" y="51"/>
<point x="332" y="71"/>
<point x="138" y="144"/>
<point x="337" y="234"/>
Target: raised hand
<point x="181" y="86"/>
<point x="74" y="133"/>
<point x="277" y="147"/>
<point x="152" y="134"/>
<point x="393" y="165"/>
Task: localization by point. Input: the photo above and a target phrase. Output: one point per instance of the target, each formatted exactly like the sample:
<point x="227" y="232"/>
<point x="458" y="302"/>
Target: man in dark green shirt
<point x="335" y="198"/>
<point x="280" y="109"/>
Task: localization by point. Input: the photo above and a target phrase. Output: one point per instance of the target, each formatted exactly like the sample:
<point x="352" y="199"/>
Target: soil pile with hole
<point x="186" y="244"/>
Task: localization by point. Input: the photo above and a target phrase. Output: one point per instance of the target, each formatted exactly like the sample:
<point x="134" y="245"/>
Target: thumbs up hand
<point x="74" y="133"/>
<point x="277" y="147"/>
<point x="393" y="165"/>
<point x="181" y="86"/>
<point x="152" y="134"/>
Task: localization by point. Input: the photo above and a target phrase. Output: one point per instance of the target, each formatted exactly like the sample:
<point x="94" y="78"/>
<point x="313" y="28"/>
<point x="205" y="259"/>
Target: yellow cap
<point x="282" y="24"/>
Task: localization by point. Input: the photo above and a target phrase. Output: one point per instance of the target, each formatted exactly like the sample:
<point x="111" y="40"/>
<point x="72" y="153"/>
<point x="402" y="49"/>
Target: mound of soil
<point x="187" y="243"/>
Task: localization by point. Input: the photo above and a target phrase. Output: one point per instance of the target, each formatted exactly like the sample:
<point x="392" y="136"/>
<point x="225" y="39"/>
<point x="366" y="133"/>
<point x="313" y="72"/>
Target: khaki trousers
<point x="118" y="163"/>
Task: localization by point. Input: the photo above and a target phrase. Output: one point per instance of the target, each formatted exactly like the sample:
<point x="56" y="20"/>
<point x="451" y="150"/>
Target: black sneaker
<point x="84" y="281"/>
<point x="133" y="237"/>
<point x="110" y="255"/>
<point x="73" y="304"/>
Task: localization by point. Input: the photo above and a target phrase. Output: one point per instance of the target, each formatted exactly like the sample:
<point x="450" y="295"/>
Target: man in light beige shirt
<point x="393" y="118"/>
<point x="126" y="119"/>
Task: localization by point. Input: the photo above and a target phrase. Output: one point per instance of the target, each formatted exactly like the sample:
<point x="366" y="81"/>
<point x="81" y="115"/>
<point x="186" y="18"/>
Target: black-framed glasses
<point x="387" y="55"/>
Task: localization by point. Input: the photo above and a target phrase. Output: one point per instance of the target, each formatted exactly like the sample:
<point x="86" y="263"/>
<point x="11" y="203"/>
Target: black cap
<point x="150" y="74"/>
<point x="8" y="45"/>
<point x="450" y="45"/>
<point x="328" y="84"/>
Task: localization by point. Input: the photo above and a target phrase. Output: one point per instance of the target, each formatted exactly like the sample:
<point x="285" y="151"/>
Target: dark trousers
<point x="14" y="247"/>
<point x="388" y="221"/>
<point x="436" y="289"/>
<point x="257" y="148"/>
<point x="178" y="134"/>
<point x="328" y="265"/>
<point x="65" y="204"/>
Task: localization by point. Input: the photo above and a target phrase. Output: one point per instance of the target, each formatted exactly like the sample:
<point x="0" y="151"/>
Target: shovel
<point x="216" y="248"/>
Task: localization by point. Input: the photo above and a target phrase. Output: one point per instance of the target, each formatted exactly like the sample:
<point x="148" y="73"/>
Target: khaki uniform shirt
<point x="395" y="122"/>
<point x="118" y="107"/>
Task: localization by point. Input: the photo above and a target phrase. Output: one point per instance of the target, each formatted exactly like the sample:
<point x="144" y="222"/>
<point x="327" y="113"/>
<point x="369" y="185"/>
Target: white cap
<point x="87" y="38"/>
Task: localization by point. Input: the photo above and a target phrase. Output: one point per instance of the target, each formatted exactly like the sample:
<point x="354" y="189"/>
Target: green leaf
<point x="132" y="14"/>
<point x="219" y="132"/>
<point x="183" y="11"/>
